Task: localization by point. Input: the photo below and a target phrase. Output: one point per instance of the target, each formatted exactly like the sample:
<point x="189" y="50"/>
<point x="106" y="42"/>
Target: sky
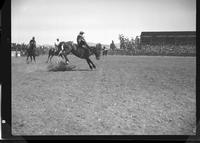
<point x="101" y="20"/>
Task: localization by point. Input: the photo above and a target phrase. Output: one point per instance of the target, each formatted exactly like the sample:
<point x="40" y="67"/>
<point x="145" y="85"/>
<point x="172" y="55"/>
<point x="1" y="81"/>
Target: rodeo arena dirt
<point x="124" y="95"/>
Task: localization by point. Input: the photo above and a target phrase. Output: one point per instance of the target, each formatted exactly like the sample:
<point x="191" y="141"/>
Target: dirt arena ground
<point x="125" y="95"/>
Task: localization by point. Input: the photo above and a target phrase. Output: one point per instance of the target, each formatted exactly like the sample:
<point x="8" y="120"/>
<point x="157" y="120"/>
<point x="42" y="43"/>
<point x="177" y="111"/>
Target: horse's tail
<point x="51" y="50"/>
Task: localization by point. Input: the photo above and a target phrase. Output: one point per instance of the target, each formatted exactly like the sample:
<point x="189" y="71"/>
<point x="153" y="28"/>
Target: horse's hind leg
<point x="48" y="59"/>
<point x="88" y="61"/>
<point x="34" y="59"/>
<point x="92" y="63"/>
<point x="51" y="57"/>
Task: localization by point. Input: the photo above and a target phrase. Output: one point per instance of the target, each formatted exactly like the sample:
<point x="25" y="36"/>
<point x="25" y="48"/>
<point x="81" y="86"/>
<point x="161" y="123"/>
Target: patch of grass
<point x="61" y="66"/>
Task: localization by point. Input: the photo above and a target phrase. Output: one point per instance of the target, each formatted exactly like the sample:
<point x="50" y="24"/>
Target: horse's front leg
<point x="31" y="58"/>
<point x="34" y="59"/>
<point x="66" y="59"/>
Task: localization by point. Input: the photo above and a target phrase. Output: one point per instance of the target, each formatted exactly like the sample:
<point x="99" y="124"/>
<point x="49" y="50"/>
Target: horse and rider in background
<point x="31" y="50"/>
<point x="104" y="51"/>
<point x="57" y="50"/>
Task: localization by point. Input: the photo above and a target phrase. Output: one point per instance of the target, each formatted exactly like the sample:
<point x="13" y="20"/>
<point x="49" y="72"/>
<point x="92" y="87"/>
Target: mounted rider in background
<point x="58" y="48"/>
<point x="56" y="44"/>
<point x="32" y="43"/>
<point x="82" y="42"/>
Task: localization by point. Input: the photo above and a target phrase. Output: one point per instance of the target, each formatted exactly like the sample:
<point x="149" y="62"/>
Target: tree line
<point x="133" y="46"/>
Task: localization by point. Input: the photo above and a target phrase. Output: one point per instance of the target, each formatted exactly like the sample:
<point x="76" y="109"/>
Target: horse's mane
<point x="70" y="42"/>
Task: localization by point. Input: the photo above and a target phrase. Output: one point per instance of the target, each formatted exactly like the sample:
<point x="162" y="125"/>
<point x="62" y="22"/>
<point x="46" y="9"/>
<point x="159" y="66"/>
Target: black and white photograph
<point x="103" y="67"/>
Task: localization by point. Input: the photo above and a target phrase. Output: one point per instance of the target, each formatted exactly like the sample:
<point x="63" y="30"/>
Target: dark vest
<point x="33" y="43"/>
<point x="80" y="40"/>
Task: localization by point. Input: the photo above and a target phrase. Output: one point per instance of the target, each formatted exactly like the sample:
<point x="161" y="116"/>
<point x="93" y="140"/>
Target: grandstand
<point x="176" y="43"/>
<point x="168" y="37"/>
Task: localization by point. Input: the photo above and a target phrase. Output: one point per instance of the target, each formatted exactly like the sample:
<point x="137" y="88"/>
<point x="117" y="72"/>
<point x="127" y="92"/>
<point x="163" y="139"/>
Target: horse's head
<point x="97" y="51"/>
<point x="66" y="45"/>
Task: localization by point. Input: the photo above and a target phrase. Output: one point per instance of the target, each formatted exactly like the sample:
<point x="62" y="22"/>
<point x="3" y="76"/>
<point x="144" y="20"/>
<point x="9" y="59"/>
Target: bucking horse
<point x="80" y="52"/>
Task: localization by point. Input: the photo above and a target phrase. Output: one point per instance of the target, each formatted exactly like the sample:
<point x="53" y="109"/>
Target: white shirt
<point x="57" y="43"/>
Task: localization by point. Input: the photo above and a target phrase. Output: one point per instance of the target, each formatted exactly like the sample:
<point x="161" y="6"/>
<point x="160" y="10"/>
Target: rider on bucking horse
<point x="81" y="42"/>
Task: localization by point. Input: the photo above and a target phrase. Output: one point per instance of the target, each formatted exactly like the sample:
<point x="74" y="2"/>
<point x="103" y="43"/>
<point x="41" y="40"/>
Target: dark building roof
<point x="169" y="34"/>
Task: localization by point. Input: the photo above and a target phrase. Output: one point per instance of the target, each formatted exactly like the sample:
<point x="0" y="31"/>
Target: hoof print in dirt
<point x="61" y="66"/>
